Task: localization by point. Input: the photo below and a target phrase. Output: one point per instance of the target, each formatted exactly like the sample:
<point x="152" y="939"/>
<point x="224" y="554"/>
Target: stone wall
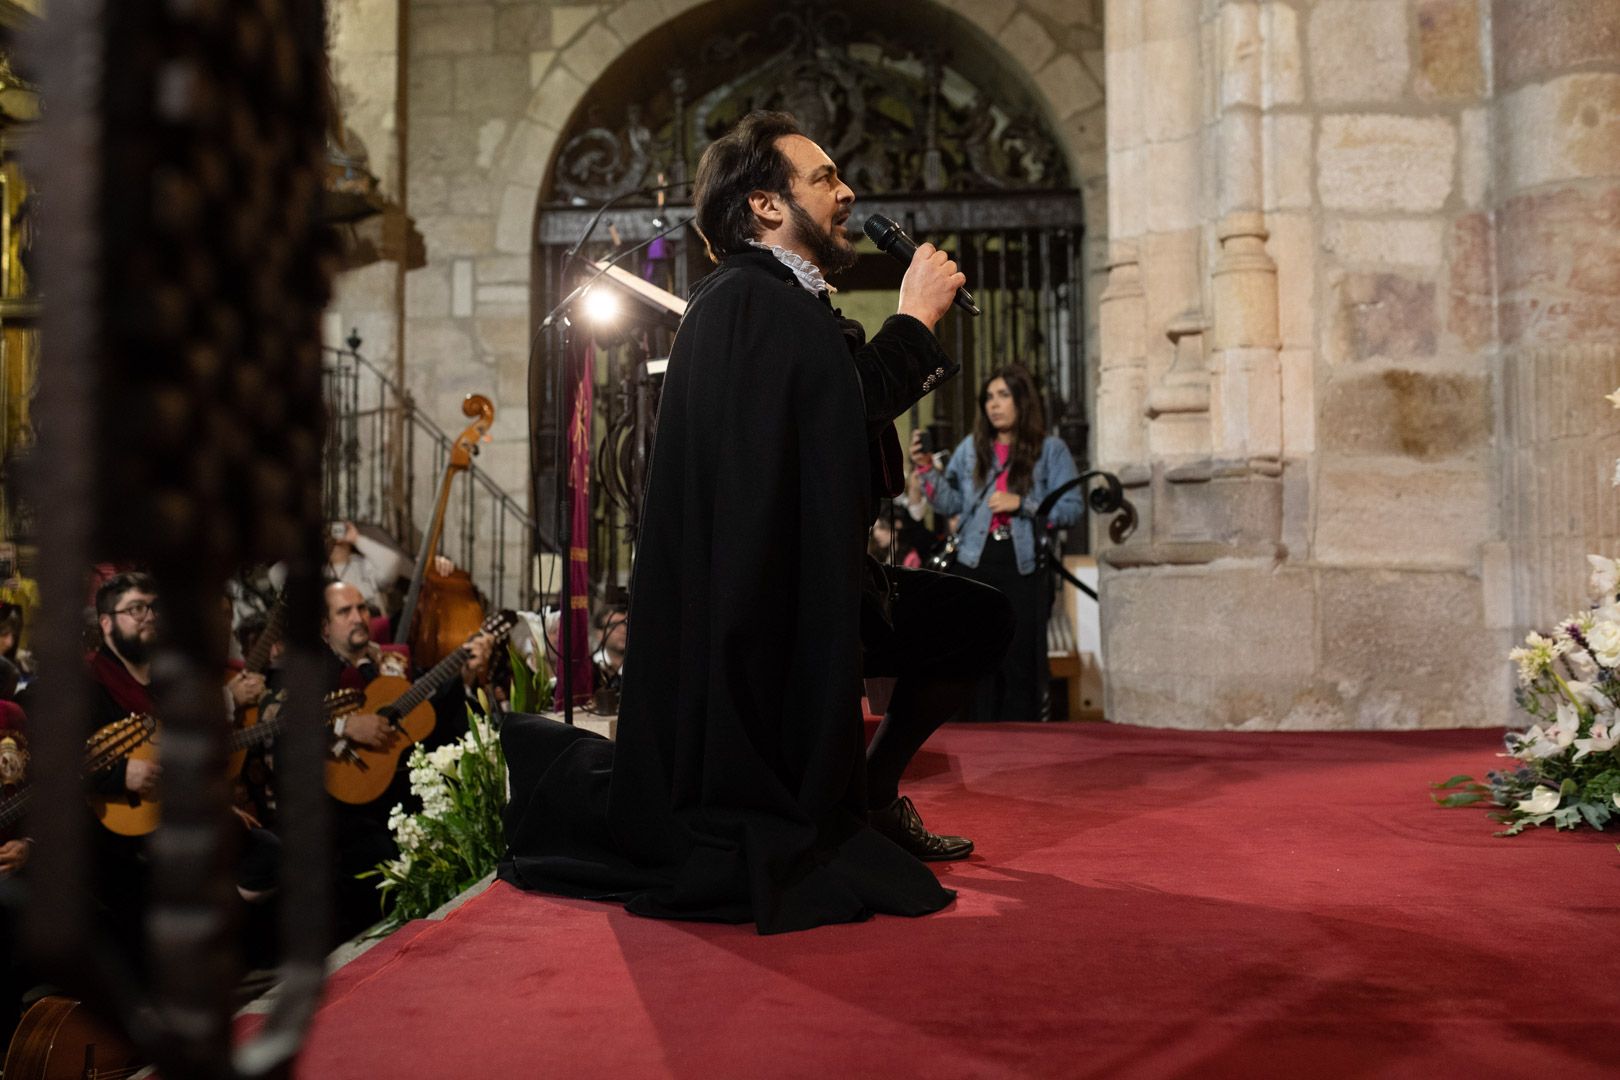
<point x="1300" y="365"/>
<point x="1556" y="229"/>
<point x="365" y="64"/>
<point x="1437" y="186"/>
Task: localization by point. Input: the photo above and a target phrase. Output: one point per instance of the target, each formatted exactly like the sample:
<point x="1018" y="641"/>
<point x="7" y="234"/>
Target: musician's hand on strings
<point x="141" y="777"/>
<point x="479" y="649"/>
<point x="14" y="855"/>
<point x="443" y="566"/>
<point x="370" y="731"/>
<point x="246" y="688"/>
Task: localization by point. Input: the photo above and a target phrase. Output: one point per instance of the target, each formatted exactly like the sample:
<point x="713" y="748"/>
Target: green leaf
<point x="1453" y="782"/>
<point x="1461" y="798"/>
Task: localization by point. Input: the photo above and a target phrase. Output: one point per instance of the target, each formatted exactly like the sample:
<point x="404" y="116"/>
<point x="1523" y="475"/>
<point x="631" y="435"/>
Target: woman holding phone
<point x="995" y="480"/>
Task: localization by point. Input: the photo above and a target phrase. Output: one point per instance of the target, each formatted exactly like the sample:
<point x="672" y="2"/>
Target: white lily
<point x="1543" y="800"/>
<point x="1598" y="740"/>
<point x="1613" y="399"/>
<point x="1534" y="744"/>
<point x="1566" y="727"/>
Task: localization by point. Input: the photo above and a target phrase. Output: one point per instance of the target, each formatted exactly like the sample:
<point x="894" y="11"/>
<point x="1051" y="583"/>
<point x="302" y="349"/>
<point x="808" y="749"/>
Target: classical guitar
<point x="133" y="815"/>
<point x="258" y="659"/>
<point x="58" y="1039"/>
<point x="358" y="774"/>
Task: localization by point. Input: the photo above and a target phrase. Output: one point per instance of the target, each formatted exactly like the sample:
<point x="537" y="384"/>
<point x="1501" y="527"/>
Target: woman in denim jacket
<point x="996" y="479"/>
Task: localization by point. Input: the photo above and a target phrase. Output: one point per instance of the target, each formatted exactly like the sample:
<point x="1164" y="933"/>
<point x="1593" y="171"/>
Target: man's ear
<point x="106" y="623"/>
<point x="768" y="209"/>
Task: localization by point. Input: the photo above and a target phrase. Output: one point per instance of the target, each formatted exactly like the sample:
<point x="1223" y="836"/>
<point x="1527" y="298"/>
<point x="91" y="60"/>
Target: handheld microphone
<point x="892" y="240"/>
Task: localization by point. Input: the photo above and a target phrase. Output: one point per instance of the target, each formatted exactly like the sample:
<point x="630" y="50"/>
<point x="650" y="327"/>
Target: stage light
<point x="602" y="306"/>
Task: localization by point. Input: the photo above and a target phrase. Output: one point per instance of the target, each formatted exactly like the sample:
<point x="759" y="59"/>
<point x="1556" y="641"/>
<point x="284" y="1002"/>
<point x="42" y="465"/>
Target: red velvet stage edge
<point x="1143" y="904"/>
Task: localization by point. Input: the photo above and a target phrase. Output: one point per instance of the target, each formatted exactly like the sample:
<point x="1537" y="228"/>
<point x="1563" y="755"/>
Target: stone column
<point x="1122" y="314"/>
<point x="1557" y="245"/>
<point x="1245" y="394"/>
<point x="1171" y="104"/>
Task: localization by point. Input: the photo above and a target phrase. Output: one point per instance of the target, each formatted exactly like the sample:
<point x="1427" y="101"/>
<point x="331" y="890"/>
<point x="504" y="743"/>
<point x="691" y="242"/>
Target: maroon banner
<point x="582" y="674"/>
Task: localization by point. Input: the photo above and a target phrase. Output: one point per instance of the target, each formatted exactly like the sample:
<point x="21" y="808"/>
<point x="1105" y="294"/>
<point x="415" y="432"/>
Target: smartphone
<point x="338" y="529"/>
<point x="926" y="441"/>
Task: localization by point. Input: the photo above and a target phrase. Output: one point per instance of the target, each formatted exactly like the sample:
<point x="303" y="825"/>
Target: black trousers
<point x="1017" y="691"/>
<point x="946" y="633"/>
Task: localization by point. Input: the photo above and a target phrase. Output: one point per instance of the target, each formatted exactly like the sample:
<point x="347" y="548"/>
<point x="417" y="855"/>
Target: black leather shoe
<point x="900" y="822"/>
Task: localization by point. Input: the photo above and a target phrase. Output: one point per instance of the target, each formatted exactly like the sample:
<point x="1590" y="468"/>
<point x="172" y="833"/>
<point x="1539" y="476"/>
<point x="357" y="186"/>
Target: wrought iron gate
<point x="929" y="130"/>
<point x="1022" y="256"/>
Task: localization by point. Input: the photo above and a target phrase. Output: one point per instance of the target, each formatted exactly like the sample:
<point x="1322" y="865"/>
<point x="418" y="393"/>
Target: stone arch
<point x="1019" y="37"/>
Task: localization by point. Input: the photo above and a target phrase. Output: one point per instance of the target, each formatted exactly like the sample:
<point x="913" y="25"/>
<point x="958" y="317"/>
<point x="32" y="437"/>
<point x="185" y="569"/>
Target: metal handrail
<point x="377" y="482"/>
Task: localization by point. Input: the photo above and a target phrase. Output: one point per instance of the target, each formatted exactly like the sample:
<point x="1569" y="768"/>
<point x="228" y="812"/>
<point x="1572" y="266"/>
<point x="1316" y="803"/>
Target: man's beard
<point x="356" y="640"/>
<point x="830" y="254"/>
<point x="130" y="646"/>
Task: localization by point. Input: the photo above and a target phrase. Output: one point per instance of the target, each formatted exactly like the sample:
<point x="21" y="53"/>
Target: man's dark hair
<point x="113" y="589"/>
<point x="743" y="160"/>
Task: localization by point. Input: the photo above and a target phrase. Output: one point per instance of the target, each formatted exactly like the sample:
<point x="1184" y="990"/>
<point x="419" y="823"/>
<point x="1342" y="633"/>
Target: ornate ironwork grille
<point x="184" y="272"/>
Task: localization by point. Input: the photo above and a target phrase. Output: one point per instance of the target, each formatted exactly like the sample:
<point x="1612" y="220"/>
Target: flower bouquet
<point x="456" y="838"/>
<point x="1568" y="771"/>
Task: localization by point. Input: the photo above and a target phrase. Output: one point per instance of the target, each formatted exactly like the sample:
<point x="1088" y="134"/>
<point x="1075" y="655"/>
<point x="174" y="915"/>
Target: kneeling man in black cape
<point x="738" y="789"/>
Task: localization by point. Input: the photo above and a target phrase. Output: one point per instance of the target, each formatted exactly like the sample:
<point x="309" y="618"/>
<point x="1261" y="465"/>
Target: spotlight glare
<point x="601" y="306"/>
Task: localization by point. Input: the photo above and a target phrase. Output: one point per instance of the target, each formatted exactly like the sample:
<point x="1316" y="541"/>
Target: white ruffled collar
<point x="808" y="273"/>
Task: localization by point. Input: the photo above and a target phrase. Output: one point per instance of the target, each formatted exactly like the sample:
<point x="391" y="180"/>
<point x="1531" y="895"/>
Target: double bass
<point x="443" y="610"/>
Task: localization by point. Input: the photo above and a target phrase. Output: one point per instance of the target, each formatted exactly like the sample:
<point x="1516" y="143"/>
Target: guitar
<point x="358" y="774"/>
<point x="102" y="750"/>
<point x="58" y="1039"/>
<point x="258" y="659"/>
<point x="12" y="806"/>
<point x="337" y="703"/>
<point x="131" y="815"/>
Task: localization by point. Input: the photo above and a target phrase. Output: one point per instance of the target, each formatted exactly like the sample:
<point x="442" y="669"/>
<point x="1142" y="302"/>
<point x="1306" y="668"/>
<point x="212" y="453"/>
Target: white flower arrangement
<point x="1569" y="683"/>
<point x="455" y="839"/>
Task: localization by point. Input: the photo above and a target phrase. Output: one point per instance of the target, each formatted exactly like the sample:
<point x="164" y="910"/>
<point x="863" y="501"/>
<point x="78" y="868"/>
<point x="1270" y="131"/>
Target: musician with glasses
<point x="127" y="614"/>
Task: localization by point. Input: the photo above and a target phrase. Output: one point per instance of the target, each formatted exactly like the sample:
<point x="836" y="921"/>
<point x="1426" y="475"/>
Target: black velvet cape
<point x="736" y="789"/>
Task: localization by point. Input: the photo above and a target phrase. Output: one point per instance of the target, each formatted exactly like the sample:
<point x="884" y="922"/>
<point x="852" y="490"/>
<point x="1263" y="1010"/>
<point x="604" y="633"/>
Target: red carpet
<point x="1143" y="904"/>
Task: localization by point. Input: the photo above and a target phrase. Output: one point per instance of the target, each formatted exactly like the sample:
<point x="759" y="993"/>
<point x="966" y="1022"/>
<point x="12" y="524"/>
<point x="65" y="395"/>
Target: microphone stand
<point x="566" y="373"/>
